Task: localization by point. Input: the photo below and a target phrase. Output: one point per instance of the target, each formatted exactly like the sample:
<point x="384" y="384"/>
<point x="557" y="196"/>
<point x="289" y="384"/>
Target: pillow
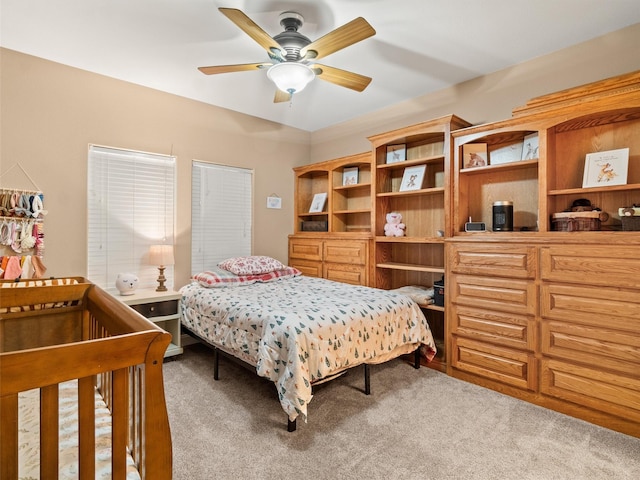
<point x="219" y="277"/>
<point x="251" y="265"/>
<point x="419" y="294"/>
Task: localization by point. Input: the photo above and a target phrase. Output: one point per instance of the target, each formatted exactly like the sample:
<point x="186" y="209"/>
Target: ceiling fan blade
<point x="281" y="96"/>
<point x="252" y="29"/>
<point x="243" y="67"/>
<point x="348" y="34"/>
<point x="351" y="80"/>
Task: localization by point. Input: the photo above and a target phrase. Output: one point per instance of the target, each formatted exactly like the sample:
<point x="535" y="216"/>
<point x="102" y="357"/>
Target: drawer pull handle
<point x="152" y="309"/>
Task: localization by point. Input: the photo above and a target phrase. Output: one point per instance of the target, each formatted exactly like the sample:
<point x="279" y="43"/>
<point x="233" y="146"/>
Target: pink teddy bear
<point x="394" y="226"/>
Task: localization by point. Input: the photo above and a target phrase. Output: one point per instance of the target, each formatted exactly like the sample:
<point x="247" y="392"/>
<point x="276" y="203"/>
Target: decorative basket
<point x="576" y="221"/>
<point x="630" y="224"/>
<point x="575" y="224"/>
<point x="630" y="218"/>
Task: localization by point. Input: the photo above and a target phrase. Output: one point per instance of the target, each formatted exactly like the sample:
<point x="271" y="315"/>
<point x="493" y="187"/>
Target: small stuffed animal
<point x="394" y="226"/>
<point x="126" y="283"/>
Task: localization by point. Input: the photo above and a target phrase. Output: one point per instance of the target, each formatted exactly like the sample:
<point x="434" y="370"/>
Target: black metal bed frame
<point x="291" y="424"/>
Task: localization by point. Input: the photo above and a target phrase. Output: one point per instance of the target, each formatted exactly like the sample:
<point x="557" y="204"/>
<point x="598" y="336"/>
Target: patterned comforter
<point x="302" y="329"/>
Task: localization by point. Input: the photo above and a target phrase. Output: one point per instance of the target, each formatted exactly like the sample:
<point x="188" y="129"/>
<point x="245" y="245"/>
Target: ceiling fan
<point x="293" y="55"/>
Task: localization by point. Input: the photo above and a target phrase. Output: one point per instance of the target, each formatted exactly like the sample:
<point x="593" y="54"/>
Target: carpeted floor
<point x="416" y="424"/>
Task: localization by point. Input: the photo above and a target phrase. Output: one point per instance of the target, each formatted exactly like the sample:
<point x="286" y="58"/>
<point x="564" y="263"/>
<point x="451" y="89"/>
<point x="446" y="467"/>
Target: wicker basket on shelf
<point x="577" y="221"/>
<point x="630" y="218"/>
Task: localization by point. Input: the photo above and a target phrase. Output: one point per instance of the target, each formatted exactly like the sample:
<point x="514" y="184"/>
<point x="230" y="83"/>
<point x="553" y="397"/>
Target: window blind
<point x="130" y="207"/>
<point x="221" y="214"/>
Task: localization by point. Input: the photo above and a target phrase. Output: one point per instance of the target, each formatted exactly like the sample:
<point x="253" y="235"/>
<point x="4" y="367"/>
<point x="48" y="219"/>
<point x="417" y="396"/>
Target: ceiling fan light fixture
<point x="290" y="77"/>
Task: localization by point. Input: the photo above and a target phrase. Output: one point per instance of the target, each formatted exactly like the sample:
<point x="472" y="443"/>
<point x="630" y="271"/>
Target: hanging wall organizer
<point x="21" y="231"/>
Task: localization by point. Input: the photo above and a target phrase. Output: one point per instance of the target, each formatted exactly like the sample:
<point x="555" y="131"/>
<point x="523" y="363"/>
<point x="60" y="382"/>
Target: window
<point x="130" y="207"/>
<point x="221" y="214"/>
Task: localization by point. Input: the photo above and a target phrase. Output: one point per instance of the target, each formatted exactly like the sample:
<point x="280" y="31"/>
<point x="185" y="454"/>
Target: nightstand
<point x="162" y="309"/>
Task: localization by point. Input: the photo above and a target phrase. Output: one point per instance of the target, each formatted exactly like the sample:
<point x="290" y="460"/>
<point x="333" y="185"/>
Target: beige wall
<point x="492" y="97"/>
<point x="50" y="113"/>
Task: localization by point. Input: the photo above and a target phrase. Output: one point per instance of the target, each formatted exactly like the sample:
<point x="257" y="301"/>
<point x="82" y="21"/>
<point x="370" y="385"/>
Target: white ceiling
<point x="420" y="46"/>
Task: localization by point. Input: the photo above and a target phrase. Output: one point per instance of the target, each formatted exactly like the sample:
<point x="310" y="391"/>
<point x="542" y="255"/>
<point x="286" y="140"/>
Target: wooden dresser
<point x="551" y="317"/>
<point x="341" y="249"/>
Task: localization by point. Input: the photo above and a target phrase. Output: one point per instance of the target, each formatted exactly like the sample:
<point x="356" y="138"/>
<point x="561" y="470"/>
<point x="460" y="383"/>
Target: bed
<point x="297" y="330"/>
<point x="81" y="385"/>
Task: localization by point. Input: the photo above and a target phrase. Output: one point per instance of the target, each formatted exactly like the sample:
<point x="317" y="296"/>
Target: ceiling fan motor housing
<point x="291" y="40"/>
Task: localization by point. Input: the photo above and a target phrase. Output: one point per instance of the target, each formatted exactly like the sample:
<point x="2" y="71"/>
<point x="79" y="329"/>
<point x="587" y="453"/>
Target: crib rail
<point x="114" y="350"/>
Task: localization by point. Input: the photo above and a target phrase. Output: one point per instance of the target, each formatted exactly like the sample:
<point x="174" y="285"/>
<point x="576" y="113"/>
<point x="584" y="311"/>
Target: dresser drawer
<point x="309" y="268"/>
<point x="611" y="349"/>
<point x="508" y="366"/>
<point x="611" y="307"/>
<point x="494" y="293"/>
<point x="606" y="392"/>
<point x="604" y="265"/>
<point x="157" y="309"/>
<point x="339" y="272"/>
<point x="351" y="252"/>
<point x="305" y="249"/>
<point x="493" y="260"/>
<point x="505" y="329"/>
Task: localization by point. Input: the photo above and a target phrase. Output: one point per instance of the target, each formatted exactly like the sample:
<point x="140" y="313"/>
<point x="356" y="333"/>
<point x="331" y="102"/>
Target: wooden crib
<point x="60" y="332"/>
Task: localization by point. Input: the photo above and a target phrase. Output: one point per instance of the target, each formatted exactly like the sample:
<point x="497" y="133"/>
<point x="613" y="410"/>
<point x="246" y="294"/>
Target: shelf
<point x="431" y="306"/>
<point x="500" y="167"/>
<point x="385" y="239"/>
<point x="410" y="163"/>
<point x="352" y="187"/>
<point x="313" y="214"/>
<point x="424" y="191"/>
<point x="587" y="190"/>
<point x="411" y="267"/>
<point x="343" y="212"/>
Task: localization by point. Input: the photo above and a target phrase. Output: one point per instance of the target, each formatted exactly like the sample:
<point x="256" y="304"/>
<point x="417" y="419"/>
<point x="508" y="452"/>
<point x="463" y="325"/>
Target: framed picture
<point x="506" y="154"/>
<point x="274" y="201"/>
<point x="474" y="155"/>
<point x="412" y="178"/>
<point x="530" y="148"/>
<point x="396" y="153"/>
<point x="604" y="169"/>
<point x="350" y="176"/>
<point x="317" y="204"/>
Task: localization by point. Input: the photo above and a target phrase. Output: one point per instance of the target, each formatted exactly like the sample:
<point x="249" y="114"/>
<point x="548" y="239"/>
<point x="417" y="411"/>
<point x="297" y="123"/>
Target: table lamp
<point x="161" y="255"/>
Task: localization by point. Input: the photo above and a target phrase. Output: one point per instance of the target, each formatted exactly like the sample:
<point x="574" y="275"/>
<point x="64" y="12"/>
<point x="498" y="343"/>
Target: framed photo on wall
<point x="605" y="169"/>
<point x="396" y="153"/>
<point x="317" y="204"/>
<point x="412" y="178"/>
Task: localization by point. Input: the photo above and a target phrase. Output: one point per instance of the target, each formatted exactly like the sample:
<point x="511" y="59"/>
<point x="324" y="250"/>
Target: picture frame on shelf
<point x="474" y="155"/>
<point x="350" y="176"/>
<point x="396" y="153"/>
<point x="317" y="204"/>
<point x="605" y="169"/>
<point x="412" y="178"/>
<point x="530" y="147"/>
<point x="506" y="154"/>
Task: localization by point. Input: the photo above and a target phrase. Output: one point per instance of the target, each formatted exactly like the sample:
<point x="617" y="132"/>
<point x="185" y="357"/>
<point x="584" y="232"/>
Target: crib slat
<point x="87" y="428"/>
<point x="9" y="436"/>
<point x="120" y="423"/>
<point x="49" y="405"/>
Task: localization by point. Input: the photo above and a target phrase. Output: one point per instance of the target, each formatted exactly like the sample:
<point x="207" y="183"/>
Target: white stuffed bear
<point x="126" y="283"/>
<point x="394" y="226"/>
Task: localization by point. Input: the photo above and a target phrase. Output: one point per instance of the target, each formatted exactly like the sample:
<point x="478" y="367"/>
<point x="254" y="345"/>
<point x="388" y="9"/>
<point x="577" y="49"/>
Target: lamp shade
<point x="161" y="255"/>
<point x="290" y="77"/>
